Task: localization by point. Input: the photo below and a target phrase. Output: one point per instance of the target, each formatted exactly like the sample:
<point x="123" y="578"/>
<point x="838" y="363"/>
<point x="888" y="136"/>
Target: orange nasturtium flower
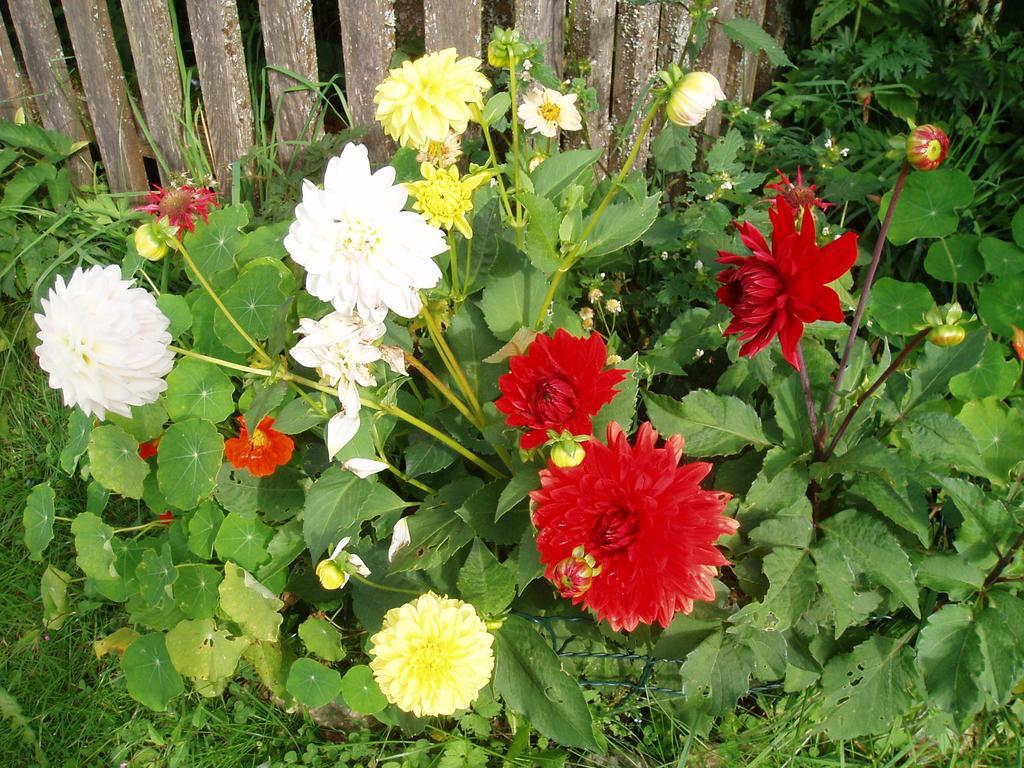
<point x="262" y="452"/>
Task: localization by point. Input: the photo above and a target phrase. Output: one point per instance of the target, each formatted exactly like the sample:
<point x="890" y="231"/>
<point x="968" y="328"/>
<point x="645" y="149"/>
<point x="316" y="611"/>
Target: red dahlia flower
<point x="180" y="205"/>
<point x="559" y="384"/>
<point x="645" y="522"/>
<point x="263" y="452"/>
<point x="798" y="195"/>
<point x="776" y="291"/>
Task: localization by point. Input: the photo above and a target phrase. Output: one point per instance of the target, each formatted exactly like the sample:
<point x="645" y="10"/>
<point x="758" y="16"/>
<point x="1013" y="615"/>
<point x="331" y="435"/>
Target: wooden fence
<point x="83" y="92"/>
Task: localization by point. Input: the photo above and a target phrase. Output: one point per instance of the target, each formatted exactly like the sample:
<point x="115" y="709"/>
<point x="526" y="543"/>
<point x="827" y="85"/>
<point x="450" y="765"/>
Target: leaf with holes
<point x="249" y="604"/>
<point x="188" y="458"/>
<point x="203" y="651"/>
<point x="200" y="390"/>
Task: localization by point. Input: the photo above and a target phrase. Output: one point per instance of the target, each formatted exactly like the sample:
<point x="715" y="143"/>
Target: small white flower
<point x="527" y="65"/>
<point x="828" y="143"/>
<point x="693" y="97"/>
<point x="545" y="110"/>
<point x="103" y="342"/>
<point x="363" y="468"/>
<point x="726" y="184"/>
<point x="845" y="151"/>
<point x="698" y="265"/>
<point x="360" y="249"/>
<point x="613" y="305"/>
<point x="768" y="115"/>
<point x="400" y="538"/>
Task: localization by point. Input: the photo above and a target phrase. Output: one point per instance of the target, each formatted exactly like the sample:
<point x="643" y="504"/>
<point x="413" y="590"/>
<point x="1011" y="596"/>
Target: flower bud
<point x="1018" y="342"/>
<point x="573" y="576"/>
<point x="947" y="335"/>
<point x="692" y="97"/>
<point x="331" y="575"/>
<point x="927" y="147"/>
<point x="150" y="242"/>
<point x="567" y="453"/>
<point x="504" y="45"/>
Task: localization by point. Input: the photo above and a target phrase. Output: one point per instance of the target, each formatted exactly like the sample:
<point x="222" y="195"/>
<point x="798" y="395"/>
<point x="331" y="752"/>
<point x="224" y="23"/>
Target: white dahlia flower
<point x="361" y="251"/>
<point x="103" y="342"/>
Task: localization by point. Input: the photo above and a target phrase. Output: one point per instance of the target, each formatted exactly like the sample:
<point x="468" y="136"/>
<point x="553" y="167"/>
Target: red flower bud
<point x="574" y="575"/>
<point x="1018" y="342"/>
<point x="927" y="147"/>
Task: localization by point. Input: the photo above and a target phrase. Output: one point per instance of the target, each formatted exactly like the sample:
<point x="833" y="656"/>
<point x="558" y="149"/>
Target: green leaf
<point x="1001" y="304"/>
<point x="828" y="14"/>
<point x="788" y="527"/>
<point x="250" y="605"/>
<point x="955" y="259"/>
<point x="202" y="651"/>
<point x="268" y="661"/>
<point x="114" y="461"/>
<point x="716" y="673"/>
<point x="297" y="416"/>
<point x="992" y="376"/>
<point x="750" y="35"/>
<point x="276" y="495"/>
<point x="529" y="677"/>
<point x="93" y="546"/>
<point x="196" y="590"/>
<point x="999" y="431"/>
<point x="436" y="531"/>
<point x="338" y="503"/>
<point x="713" y="425"/>
<point x="175" y="308"/>
<point x="146" y="422"/>
<point x="898" y="306"/>
<point x="214" y="243"/>
<point x="838" y="581"/>
<point x="313" y="684"/>
<point x="243" y="540"/>
<point x="895" y="501"/>
<point x="322" y="638"/>
<point x="38" y="520"/>
<point x="53" y="588"/>
<point x="202" y="529"/>
<point x="517" y="490"/>
<point x="620" y="225"/>
<point x="265" y="399"/>
<point x="200" y="390"/>
<point x="253" y="300"/>
<point x="870" y="548"/>
<point x="148" y="672"/>
<point x="927" y="206"/>
<point x="868" y="689"/>
<point x="1017" y="227"/>
<point x="562" y="169"/>
<point x="495" y="108"/>
<point x="1001" y="257"/>
<point x="361" y="691"/>
<point x="19" y="188"/>
<point x="154" y="574"/>
<point x="792" y="587"/>
<point x="674" y="150"/>
<point x="485" y="582"/>
<point x="938" y="365"/>
<point x="950" y="573"/>
<point x="938" y="438"/>
<point x="188" y="458"/>
<point x="512" y="301"/>
<point x="541" y="243"/>
<point x="1000" y="638"/>
<point x="79" y="427"/>
<point x="622" y="408"/>
<point x="948" y="659"/>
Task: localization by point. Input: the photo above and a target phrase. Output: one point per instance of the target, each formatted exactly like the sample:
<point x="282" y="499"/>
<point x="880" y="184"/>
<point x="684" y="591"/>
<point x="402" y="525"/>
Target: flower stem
<point x="502" y="192"/>
<point x="573" y="256"/>
<point x="512" y="87"/>
<point x="220" y="362"/>
<point x="443" y="388"/>
<point x="450" y="361"/>
<point x="258" y="348"/>
<point x="406" y="479"/>
<point x="865" y="292"/>
<point x="893" y="366"/>
<point x="454" y="265"/>
<point x="363" y="580"/>
<point x="812" y="415"/>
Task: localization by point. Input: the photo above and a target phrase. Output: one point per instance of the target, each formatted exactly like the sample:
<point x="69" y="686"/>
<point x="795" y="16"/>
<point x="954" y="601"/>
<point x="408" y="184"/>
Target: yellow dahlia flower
<point x="444" y="198"/>
<point x="424" y="100"/>
<point x="432" y="656"/>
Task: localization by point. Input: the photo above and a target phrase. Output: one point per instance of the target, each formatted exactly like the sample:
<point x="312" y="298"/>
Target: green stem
<point x="443" y="388"/>
<point x="406" y="479"/>
<point x="454" y="265"/>
<point x="502" y="192"/>
<point x="218" y="361"/>
<point x="573" y="256"/>
<point x="260" y="352"/>
<point x="512" y="87"/>
<point x="363" y="580"/>
<point x="451" y="362"/>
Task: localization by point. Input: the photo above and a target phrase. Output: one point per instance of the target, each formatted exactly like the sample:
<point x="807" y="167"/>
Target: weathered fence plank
<point x="636" y="62"/>
<point x="453" y="23"/>
<point x="156" y="65"/>
<point x="13" y="93"/>
<point x="217" y="40"/>
<point x="592" y="46"/>
<point x="103" y="80"/>
<point x="51" y="86"/>
<point x="290" y="44"/>
<point x="544" y="20"/>
<point x="367" y="41"/>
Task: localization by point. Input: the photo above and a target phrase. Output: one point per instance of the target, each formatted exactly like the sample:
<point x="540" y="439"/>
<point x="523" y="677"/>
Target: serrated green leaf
<point x="789" y="527"/>
<point x="512" y="301"/>
<point x="200" y="390"/>
<point x="529" y="677"/>
<point x="560" y="170"/>
<point x="485" y="582"/>
<point x="313" y="684"/>
<point x="188" y="458"/>
<point x="203" y="651"/>
<point x="1000" y="639"/>
<point x="939" y="438"/>
<point x="436" y="531"/>
<point x="338" y="503"/>
<point x="148" y="672"/>
<point x="716" y="673"/>
<point x="37" y="519"/>
<point x="950" y="573"/>
<point x="901" y="504"/>
<point x="541" y="241"/>
<point x="622" y="408"/>
<point x="361" y="691"/>
<point x="898" y="306"/>
<point x="838" y="581"/>
<point x="114" y="461"/>
<point x="249" y="604"/>
<point x="750" y="35"/>
<point x="791" y="588"/>
<point x="620" y="225"/>
<point x="518" y="489"/>
<point x="712" y="425"/>
<point x="674" y="149"/>
<point x="243" y="540"/>
<point x="828" y="14"/>
<point x="927" y="207"/>
<point x="948" y="659"/>
<point x="322" y="638"/>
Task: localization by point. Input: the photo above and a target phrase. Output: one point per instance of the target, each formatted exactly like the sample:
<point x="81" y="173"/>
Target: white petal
<point x="400" y="538"/>
<point x="340" y="430"/>
<point x="340" y="547"/>
<point x="357" y="562"/>
<point x="363" y="468"/>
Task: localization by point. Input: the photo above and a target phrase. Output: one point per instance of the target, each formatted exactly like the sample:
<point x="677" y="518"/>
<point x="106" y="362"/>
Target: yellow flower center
<point x="435" y="151"/>
<point x="934" y="150"/>
<point x="259" y="439"/>
<point x="550" y="111"/>
<point x="444" y="197"/>
<point x="356" y="239"/>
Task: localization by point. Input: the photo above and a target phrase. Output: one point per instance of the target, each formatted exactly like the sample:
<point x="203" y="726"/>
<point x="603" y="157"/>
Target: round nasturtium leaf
<point x="154" y="573"/>
<point x="146" y="422"/>
<point x="175" y="308"/>
<point x="993" y="376"/>
<point x="188" y="458"/>
<point x="148" y="672"/>
<point x="1017" y="227"/>
<point x="199" y="389"/>
<point x="322" y="638"/>
<point x="250" y="605"/>
<point x="200" y="650"/>
<point x="195" y="590"/>
<point x="313" y="684"/>
<point x="253" y="301"/>
<point x="898" y="306"/>
<point x="94" y="547"/>
<point x="243" y="540"/>
<point x="955" y="259"/>
<point x="114" y="461"/>
<point x="202" y="529"/>
<point x="1001" y="257"/>
<point x="1001" y="304"/>
<point x="928" y="204"/>
<point x="361" y="691"/>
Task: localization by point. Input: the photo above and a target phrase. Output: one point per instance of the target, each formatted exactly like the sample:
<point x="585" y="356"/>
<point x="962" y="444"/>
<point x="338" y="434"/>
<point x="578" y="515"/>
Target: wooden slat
<point x="755" y="11"/>
<point x="593" y="41"/>
<point x="453" y="23"/>
<point x="51" y="86"/>
<point x="13" y="90"/>
<point x="217" y="40"/>
<point x="715" y="59"/>
<point x="103" y="80"/>
<point x="544" y="20"/>
<point x="367" y="41"/>
<point x="290" y="44"/>
<point x="156" y="66"/>
<point x="675" y="29"/>
<point x="636" y="62"/>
